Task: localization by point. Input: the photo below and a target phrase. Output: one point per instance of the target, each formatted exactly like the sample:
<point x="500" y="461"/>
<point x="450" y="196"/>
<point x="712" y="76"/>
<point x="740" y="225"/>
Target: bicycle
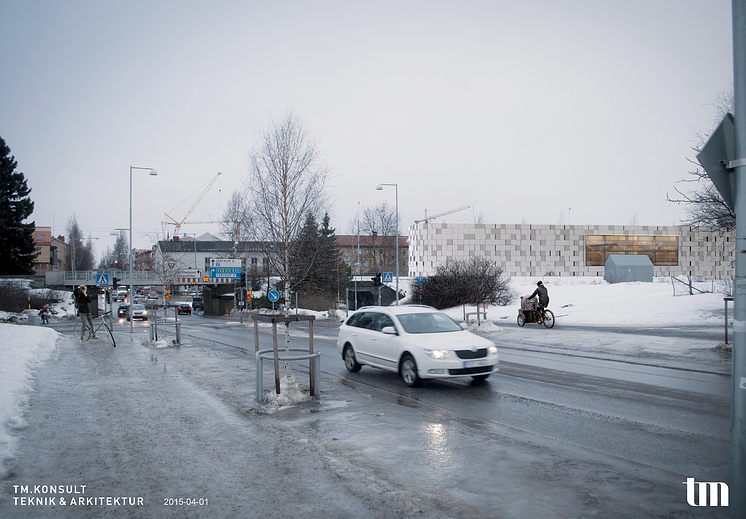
<point x="86" y="334"/>
<point x="535" y="315"/>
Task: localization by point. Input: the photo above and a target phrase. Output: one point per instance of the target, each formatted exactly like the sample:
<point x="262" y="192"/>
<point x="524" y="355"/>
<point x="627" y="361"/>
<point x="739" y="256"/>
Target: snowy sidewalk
<point x="117" y="423"/>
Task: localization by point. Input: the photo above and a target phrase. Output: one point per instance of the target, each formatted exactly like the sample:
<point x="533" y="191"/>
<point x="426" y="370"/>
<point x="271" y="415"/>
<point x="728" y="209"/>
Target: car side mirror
<point x="390" y="330"/>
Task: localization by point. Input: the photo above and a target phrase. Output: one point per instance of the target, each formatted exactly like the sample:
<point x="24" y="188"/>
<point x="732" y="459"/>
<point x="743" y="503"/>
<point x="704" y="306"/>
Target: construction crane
<point x="428" y="218"/>
<point x="194" y="205"/>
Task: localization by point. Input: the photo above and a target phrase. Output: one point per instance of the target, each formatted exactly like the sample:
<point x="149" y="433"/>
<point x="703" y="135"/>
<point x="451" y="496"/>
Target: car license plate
<point x="476" y="363"/>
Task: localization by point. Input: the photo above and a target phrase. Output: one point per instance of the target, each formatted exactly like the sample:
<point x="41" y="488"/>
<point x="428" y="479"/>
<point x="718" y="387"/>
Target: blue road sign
<point x="420" y="281"/>
<point x="273" y="295"/>
<point x="388" y="277"/>
<point x="102" y="280"/>
<point x="225" y="272"/>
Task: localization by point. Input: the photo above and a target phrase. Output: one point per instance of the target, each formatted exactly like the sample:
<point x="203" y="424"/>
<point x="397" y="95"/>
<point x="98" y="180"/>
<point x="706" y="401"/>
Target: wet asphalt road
<point x="181" y="423"/>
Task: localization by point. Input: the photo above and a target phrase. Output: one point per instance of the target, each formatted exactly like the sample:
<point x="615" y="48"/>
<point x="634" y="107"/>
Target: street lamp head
<point x="379" y="187"/>
<point x="153" y="172"/>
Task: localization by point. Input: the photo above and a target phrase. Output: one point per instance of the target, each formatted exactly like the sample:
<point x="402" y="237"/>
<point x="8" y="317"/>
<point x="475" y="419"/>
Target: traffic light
<point x="377" y="280"/>
<point x="115" y="282"/>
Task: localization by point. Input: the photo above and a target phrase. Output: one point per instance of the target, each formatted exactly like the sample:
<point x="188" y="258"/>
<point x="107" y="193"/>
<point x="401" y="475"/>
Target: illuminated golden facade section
<point x="662" y="250"/>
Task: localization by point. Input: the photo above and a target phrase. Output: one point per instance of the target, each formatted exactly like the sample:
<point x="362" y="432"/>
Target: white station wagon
<point x="418" y="342"/>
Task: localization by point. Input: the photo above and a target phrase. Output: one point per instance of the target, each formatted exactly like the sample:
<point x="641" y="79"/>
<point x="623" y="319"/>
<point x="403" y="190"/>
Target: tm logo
<point x="709" y="493"/>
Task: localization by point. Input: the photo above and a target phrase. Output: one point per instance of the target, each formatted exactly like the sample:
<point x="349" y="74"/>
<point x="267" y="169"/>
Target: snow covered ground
<point x="22" y="349"/>
<point x="585" y="302"/>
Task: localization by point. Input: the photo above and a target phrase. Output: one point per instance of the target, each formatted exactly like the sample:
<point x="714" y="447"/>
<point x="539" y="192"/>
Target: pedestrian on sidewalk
<point x="44" y="314"/>
<point x="82" y="299"/>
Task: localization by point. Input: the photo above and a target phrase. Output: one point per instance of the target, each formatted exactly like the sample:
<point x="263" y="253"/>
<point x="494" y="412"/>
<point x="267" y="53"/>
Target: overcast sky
<point x="539" y="111"/>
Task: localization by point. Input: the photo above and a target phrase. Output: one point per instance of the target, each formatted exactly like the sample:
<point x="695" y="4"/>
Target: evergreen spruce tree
<point x="17" y="251"/>
<point x="336" y="274"/>
<point x="304" y="254"/>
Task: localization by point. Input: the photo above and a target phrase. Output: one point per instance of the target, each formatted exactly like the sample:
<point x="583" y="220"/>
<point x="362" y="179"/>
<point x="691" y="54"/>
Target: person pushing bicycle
<point x="82" y="299"/>
<point x="543" y="294"/>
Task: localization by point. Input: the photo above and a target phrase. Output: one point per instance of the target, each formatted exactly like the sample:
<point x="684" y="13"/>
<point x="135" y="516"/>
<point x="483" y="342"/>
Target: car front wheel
<point x="409" y="372"/>
<point x="351" y="362"/>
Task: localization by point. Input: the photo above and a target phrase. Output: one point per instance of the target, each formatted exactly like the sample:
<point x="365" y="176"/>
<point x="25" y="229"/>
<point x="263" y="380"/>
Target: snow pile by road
<point x="22" y="349"/>
<point x="290" y="394"/>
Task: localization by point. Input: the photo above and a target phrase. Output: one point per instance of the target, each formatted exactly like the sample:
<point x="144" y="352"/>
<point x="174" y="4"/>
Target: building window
<point x="662" y="250"/>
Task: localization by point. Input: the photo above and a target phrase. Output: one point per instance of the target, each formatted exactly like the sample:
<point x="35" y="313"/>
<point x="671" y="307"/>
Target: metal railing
<point x="89" y="277"/>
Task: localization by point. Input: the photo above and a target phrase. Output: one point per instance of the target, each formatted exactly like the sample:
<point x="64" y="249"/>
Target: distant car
<point x="122" y="310"/>
<point x="418" y="342"/>
<point x="138" y="312"/>
<point x="197" y="303"/>
<point x="184" y="308"/>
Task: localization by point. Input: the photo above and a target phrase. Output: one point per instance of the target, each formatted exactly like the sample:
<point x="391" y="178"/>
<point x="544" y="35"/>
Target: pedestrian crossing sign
<point x="102" y="280"/>
<point x="388" y="277"/>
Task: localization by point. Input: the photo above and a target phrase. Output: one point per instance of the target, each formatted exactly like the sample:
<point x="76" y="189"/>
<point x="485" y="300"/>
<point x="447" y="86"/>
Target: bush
<point x="15" y="297"/>
<point x="470" y="281"/>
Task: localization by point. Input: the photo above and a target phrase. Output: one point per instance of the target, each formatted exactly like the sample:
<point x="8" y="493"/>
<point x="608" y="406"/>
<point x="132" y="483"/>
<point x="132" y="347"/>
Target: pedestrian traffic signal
<point x="115" y="281"/>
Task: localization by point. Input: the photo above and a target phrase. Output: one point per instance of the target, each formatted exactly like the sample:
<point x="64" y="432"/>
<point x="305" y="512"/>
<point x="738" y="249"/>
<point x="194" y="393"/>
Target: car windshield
<point x="138" y="307"/>
<point x="428" y="323"/>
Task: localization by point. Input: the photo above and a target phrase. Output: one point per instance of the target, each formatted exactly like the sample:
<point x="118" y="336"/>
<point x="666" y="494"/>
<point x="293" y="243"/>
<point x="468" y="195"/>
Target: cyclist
<point x="82" y="299"/>
<point x="543" y="294"/>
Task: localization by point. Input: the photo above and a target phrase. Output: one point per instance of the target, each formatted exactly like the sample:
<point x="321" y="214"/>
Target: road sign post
<point x="273" y="296"/>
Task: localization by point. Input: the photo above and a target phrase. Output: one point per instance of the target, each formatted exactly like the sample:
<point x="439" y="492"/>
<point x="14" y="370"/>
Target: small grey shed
<point x="624" y="268"/>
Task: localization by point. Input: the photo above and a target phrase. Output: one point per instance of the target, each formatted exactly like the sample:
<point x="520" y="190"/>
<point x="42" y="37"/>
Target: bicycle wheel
<point x="77" y="331"/>
<point x="548" y="318"/>
<point x="111" y="335"/>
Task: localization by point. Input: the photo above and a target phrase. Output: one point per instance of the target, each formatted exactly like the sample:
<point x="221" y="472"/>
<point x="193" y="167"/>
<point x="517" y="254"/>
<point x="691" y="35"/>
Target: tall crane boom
<point x="428" y="218"/>
<point x="178" y="224"/>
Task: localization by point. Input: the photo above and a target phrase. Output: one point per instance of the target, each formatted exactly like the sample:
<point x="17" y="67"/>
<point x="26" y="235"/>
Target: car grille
<point x="468" y="354"/>
<point x="471" y="371"/>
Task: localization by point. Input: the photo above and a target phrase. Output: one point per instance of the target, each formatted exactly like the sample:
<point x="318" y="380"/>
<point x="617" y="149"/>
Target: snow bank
<point x="22" y="349"/>
<point x="594" y="302"/>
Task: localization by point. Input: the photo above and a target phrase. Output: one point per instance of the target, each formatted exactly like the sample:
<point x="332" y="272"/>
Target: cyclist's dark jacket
<point x="81" y="301"/>
<point x="541" y="291"/>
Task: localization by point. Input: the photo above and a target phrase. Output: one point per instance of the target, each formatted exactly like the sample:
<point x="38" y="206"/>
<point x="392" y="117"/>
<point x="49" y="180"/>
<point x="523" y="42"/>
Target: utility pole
<point x="724" y="159"/>
<point x="737" y="465"/>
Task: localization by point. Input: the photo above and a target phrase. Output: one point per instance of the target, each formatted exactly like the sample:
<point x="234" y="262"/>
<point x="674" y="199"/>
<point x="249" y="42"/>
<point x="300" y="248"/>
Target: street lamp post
<point x="132" y="299"/>
<point x="396" y="186"/>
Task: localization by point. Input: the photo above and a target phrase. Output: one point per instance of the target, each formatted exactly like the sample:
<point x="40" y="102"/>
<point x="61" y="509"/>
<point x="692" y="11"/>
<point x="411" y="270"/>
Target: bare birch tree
<point x="236" y="223"/>
<point x="286" y="182"/>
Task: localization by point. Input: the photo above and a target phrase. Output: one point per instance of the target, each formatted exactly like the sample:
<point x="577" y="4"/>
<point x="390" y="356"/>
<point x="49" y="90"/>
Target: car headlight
<point x="144" y="312"/>
<point x="437" y="354"/>
<point x="493" y="349"/>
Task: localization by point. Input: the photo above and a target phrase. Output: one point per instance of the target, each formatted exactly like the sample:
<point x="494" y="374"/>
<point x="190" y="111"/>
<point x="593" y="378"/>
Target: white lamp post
<point x="132" y="299"/>
<point x="396" y="186"/>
